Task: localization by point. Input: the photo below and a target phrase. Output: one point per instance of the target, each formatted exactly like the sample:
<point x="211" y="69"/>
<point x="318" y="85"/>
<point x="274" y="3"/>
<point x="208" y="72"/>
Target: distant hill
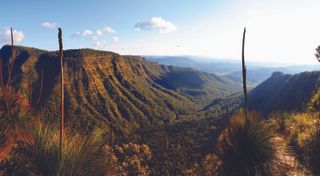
<point x="284" y="92"/>
<point x="255" y="76"/>
<point x="256" y="73"/>
<point x="215" y="66"/>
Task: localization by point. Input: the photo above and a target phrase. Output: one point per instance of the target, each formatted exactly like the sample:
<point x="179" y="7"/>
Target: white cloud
<point x="156" y="23"/>
<point x="85" y="33"/>
<point x="100" y="38"/>
<point x="5" y="36"/>
<point x="49" y="25"/>
<point x="100" y="44"/>
<point x="104" y="31"/>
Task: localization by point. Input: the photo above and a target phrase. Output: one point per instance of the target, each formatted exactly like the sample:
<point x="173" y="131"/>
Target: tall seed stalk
<point x="10" y="65"/>
<point x="41" y="88"/>
<point x="1" y="76"/>
<point x="62" y="90"/>
<point x="244" y="76"/>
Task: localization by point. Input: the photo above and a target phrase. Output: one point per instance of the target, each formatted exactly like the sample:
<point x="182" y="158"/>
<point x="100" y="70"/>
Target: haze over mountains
<point x="257" y="72"/>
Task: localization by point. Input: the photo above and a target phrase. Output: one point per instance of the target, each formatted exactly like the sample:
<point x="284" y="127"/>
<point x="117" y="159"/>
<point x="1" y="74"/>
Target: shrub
<point x="128" y="159"/>
<point x="313" y="153"/>
<point x="14" y="119"/>
<point x="249" y="148"/>
<point x="81" y="155"/>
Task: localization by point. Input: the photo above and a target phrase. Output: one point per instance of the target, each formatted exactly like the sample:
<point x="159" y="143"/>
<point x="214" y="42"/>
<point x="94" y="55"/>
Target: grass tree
<point x="244" y="76"/>
<point x="247" y="145"/>
<point x="81" y="155"/>
<point x="62" y="90"/>
<point x="14" y="110"/>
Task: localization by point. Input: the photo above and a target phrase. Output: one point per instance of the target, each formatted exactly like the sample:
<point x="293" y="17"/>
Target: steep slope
<point x="108" y="90"/>
<point x="200" y="87"/>
<point x="255" y="76"/>
<point x="284" y="92"/>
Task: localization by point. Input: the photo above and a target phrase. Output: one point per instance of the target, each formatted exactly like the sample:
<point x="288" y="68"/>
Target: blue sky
<point x="280" y="31"/>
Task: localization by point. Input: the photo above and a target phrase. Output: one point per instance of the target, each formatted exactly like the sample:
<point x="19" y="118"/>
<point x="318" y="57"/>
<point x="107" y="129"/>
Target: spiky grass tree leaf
<point x="14" y="119"/>
<point x="81" y="155"/>
<point x="249" y="149"/>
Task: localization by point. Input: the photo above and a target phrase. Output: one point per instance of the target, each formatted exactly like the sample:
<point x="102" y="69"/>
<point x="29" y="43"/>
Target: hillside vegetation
<point x="129" y="116"/>
<point x="104" y="88"/>
<point x="284" y="92"/>
<point x="132" y="100"/>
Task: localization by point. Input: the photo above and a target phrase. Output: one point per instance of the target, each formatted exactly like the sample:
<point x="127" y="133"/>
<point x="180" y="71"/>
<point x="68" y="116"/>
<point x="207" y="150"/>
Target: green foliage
<point x="128" y="159"/>
<point x="177" y="148"/>
<point x="314" y="104"/>
<point x="248" y="148"/>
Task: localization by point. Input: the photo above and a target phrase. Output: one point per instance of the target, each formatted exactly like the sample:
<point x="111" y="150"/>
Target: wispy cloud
<point x="85" y="33"/>
<point x="102" y="44"/>
<point x="156" y="23"/>
<point x="49" y="25"/>
<point x="101" y="38"/>
<point x="104" y="31"/>
<point x="5" y="36"/>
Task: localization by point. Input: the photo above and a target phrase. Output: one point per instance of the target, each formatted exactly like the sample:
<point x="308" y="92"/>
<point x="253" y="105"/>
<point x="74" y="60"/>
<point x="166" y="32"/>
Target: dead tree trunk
<point x="244" y="76"/>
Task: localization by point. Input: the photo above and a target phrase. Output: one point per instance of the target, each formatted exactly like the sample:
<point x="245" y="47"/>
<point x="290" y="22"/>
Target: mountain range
<point x="177" y="111"/>
<point x="257" y="72"/>
<point x="105" y="88"/>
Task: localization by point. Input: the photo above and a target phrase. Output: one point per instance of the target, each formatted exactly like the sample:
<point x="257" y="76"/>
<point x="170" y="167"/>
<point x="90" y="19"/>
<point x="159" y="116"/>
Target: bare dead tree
<point x="62" y="90"/>
<point x="244" y="76"/>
